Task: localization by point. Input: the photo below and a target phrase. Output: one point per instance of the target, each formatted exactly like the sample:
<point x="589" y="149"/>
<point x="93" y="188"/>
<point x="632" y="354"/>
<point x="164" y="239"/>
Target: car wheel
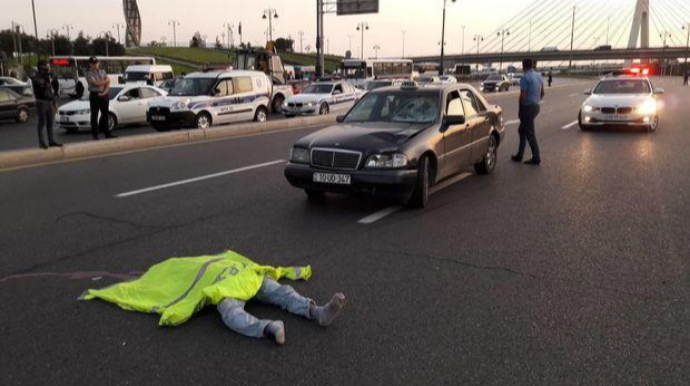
<point x="22" y="115"/>
<point x="654" y="125"/>
<point x="324" y="109"/>
<point x="261" y="115"/>
<point x="277" y="105"/>
<point x="112" y="122"/>
<point x="203" y="121"/>
<point x="488" y="163"/>
<point x="315" y="195"/>
<point x="420" y="194"/>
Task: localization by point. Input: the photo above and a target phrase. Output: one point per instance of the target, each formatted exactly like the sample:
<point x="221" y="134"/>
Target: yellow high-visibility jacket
<point x="179" y="287"/>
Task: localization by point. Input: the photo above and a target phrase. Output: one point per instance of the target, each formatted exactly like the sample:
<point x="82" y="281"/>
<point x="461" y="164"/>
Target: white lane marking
<point x="379" y="215"/>
<point x="197" y="179"/>
<point x="569" y="125"/>
<point x="574" y="95"/>
<point x="513" y="122"/>
<point x="392" y="209"/>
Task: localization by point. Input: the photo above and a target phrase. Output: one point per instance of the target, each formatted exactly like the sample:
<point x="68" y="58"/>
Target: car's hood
<point x="493" y="81"/>
<point x="305" y="98"/>
<point x="168" y="101"/>
<point x="75" y="106"/>
<point x="364" y="137"/>
<point x="617" y="100"/>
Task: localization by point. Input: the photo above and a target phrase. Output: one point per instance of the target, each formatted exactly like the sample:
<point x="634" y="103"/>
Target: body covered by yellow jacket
<point x="179" y="287"/>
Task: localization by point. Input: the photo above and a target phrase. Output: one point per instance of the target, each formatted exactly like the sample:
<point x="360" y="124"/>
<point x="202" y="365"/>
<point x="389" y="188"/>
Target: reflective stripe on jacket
<point x="179" y="287"/>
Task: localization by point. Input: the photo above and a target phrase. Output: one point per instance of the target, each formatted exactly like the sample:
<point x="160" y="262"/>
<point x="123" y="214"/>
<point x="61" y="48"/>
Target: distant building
<point x="133" y="20"/>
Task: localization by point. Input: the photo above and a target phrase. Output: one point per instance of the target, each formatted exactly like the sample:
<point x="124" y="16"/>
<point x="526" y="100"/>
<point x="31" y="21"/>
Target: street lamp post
<point x="443" y="38"/>
<point x="106" y="35"/>
<point x="229" y="26"/>
<point x="502" y="34"/>
<point x="270" y="14"/>
<point x="462" y="51"/>
<point x="68" y="27"/>
<point x="52" y="33"/>
<point x="572" y="38"/>
<point x="478" y="39"/>
<point x="362" y="27"/>
<point x="118" y="26"/>
<point x="174" y="24"/>
<point x="376" y="49"/>
<point x="300" y="33"/>
<point x="18" y="31"/>
<point x="404" y="32"/>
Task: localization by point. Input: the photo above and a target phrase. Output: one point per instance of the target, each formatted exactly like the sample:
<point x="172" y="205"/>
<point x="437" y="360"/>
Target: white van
<point x="203" y="99"/>
<point x="150" y="75"/>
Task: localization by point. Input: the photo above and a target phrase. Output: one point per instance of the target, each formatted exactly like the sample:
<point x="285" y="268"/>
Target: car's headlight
<point x="387" y="161"/>
<point x="299" y="155"/>
<point x="311" y="104"/>
<point x="180" y="105"/>
<point x="591" y="109"/>
<point x="83" y="112"/>
<point x="649" y="107"/>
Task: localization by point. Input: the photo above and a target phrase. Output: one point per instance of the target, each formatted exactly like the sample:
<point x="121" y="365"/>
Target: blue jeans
<point x="271" y="292"/>
<point x="528" y="114"/>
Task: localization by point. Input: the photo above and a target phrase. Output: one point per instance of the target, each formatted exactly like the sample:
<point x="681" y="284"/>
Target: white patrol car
<point x="621" y="101"/>
<point x="203" y="99"/>
<point x="321" y="99"/>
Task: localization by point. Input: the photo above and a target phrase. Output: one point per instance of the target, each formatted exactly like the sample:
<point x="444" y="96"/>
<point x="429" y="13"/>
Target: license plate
<point x="336" y="179"/>
<point x="64" y="120"/>
<point x="616" y="117"/>
<point x="158" y="118"/>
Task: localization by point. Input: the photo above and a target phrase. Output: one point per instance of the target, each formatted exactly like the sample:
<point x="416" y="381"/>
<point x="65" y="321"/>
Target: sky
<point x="421" y="19"/>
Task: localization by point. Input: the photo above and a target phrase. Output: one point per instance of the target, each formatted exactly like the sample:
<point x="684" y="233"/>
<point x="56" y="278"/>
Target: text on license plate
<point x="337" y="179"/>
<point x="616" y="117"/>
<point x="158" y="117"/>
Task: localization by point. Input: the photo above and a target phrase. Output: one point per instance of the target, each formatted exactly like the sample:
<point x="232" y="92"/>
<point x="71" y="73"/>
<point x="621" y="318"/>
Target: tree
<point x="114" y="48"/>
<point x="197" y="41"/>
<point x="285" y="45"/>
<point x="218" y="45"/>
<point x="82" y="45"/>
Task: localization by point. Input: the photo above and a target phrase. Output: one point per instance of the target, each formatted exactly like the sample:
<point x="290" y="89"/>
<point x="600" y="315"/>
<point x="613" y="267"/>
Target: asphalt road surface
<point x="575" y="272"/>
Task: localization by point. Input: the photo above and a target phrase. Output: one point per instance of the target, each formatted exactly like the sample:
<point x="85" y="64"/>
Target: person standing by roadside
<point x="550" y="76"/>
<point x="686" y="76"/>
<point x="531" y="94"/>
<point x="99" y="85"/>
<point x="46" y="105"/>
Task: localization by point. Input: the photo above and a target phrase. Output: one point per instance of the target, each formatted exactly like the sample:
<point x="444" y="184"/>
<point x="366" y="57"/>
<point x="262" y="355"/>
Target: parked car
<point x="152" y="75"/>
<point x="203" y="99"/>
<point x="321" y="99"/>
<point x="426" y="80"/>
<point x="621" y="101"/>
<point x="15" y="106"/>
<point x="128" y="105"/>
<point x="496" y="83"/>
<point x="400" y="142"/>
<point x="447" y="79"/>
<point x="19" y="87"/>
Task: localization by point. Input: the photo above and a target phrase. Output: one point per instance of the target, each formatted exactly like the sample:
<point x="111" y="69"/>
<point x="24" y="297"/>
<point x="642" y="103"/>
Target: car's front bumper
<point x="82" y="121"/>
<point x="390" y="183"/>
<point x="305" y="110"/>
<point x="597" y="119"/>
<point x="170" y="120"/>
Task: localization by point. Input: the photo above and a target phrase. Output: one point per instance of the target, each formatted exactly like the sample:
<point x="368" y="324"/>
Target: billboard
<point x="357" y="7"/>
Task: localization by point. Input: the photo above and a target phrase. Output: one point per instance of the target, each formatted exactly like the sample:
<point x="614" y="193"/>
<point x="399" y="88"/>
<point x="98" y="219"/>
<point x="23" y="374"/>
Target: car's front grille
<point x="335" y="159"/>
<point x="625" y="110"/>
<point x="69" y="113"/>
<point x="608" y="110"/>
<point x="159" y="110"/>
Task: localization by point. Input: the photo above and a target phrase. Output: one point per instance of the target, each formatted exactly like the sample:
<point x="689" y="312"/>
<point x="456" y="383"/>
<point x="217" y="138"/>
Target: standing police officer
<point x="99" y="85"/>
<point x="46" y="104"/>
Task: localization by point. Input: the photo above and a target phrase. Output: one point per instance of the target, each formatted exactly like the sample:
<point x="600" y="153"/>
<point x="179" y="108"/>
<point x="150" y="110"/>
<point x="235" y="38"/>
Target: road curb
<point x="18" y="159"/>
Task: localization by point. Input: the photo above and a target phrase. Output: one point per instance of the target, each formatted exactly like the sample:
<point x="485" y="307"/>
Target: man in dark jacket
<point x="686" y="76"/>
<point x="46" y="105"/>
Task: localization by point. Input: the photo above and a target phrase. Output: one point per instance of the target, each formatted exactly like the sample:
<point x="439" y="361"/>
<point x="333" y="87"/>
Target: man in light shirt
<point x="531" y="94"/>
<point x="99" y="85"/>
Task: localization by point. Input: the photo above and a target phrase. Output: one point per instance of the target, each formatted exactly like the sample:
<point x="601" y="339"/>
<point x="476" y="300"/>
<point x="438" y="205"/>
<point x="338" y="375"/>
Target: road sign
<point x="357" y="7"/>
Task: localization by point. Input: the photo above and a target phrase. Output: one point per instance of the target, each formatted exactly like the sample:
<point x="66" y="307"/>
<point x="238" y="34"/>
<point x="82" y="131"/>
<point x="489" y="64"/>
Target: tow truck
<point x="269" y="62"/>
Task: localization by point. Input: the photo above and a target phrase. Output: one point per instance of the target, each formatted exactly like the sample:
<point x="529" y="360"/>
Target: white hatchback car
<point x="321" y="99"/>
<point x="621" y="101"/>
<point x="203" y="99"/>
<point x="128" y="106"/>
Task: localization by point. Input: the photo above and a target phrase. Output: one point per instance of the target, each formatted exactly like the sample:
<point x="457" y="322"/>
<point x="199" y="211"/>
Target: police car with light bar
<point x="621" y="101"/>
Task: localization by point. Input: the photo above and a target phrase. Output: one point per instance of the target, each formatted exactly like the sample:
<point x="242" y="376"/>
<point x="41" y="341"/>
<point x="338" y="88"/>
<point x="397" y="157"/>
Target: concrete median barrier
<point x="18" y="159"/>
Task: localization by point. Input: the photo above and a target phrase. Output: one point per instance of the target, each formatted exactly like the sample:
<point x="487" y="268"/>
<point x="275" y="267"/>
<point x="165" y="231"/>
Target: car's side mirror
<point x="454" y="120"/>
<point x="588" y="91"/>
<point x="340" y="118"/>
<point x="659" y="91"/>
<point x="124" y="98"/>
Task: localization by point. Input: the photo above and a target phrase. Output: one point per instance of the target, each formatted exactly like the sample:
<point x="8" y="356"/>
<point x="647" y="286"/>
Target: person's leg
<point x="50" y="120"/>
<point x="103" y="120"/>
<point x="531" y="134"/>
<point x="284" y="296"/>
<point x="41" y="123"/>
<point x="237" y="319"/>
<point x="523" y="139"/>
<point x="93" y="105"/>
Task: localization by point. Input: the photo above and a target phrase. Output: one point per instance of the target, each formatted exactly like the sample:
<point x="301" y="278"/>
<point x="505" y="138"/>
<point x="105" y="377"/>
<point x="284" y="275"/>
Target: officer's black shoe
<point x="55" y="144"/>
<point x="43" y="146"/>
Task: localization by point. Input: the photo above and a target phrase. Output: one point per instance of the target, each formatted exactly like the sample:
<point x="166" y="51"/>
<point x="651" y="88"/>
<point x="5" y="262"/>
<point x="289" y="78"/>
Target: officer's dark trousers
<point x="99" y="104"/>
<point x="528" y="114"/>
<point x="46" y="117"/>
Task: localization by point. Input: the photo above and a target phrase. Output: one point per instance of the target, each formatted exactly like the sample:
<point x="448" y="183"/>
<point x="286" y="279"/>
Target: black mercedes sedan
<point x="15" y="106"/>
<point x="400" y="142"/>
<point x="496" y="83"/>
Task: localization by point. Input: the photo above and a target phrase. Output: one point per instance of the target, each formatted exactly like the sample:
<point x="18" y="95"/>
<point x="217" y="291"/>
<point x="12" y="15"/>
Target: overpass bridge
<point x="561" y="56"/>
